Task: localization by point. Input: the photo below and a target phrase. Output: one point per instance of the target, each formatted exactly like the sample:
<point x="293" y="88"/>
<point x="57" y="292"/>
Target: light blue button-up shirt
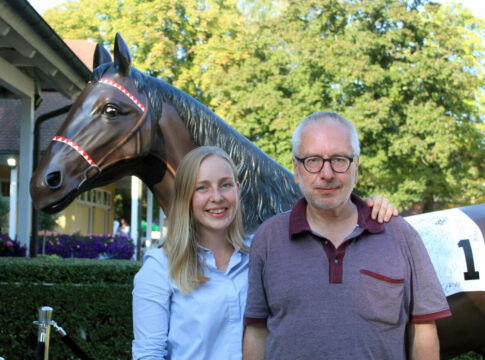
<point x="206" y="324"/>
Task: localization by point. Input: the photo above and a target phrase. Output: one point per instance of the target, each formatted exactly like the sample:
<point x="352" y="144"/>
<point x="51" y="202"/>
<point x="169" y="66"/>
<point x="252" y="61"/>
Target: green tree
<point x="408" y="74"/>
<point x="47" y="222"/>
<point x="122" y="208"/>
<point x="162" y="34"/>
<point x="409" y="77"/>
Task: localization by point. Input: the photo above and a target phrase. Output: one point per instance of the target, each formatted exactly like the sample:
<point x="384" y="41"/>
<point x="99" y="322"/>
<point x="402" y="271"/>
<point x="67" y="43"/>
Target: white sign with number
<point x="456" y="247"/>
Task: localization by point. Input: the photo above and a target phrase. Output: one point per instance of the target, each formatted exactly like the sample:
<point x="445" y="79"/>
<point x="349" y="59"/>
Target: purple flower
<point x="9" y="247"/>
<point x="89" y="246"/>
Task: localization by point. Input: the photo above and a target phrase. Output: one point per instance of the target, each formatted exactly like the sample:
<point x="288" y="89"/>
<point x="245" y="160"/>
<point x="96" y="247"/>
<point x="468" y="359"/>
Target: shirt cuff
<point x="430" y="317"/>
<point x="250" y="320"/>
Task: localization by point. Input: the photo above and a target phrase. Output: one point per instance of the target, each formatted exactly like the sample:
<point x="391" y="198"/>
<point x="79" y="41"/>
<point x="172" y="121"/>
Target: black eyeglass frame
<point x="302" y="160"/>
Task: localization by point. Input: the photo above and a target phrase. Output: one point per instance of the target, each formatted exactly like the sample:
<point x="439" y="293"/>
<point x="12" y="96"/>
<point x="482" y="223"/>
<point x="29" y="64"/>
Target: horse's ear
<point x="122" y="56"/>
<point x="101" y="56"/>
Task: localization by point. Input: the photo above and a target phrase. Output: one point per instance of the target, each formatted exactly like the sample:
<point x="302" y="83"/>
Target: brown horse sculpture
<point x="126" y="123"/>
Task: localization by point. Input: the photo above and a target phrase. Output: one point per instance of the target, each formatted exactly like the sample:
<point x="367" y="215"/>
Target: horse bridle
<point x="84" y="154"/>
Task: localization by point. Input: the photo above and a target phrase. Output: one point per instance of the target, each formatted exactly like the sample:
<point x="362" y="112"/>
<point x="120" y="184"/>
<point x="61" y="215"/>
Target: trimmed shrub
<point x="91" y="301"/>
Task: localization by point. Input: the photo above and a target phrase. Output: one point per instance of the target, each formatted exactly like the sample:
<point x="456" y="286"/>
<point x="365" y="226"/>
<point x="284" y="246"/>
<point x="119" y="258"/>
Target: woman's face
<point x="216" y="195"/>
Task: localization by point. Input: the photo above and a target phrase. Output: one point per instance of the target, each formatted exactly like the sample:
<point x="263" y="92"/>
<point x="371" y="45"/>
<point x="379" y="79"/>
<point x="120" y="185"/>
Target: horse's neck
<point x="176" y="140"/>
<point x="172" y="144"/>
<point x="202" y="126"/>
<point x="163" y="192"/>
<point x="267" y="188"/>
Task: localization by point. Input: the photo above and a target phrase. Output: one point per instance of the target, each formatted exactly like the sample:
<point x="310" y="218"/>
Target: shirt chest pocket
<point x="381" y="297"/>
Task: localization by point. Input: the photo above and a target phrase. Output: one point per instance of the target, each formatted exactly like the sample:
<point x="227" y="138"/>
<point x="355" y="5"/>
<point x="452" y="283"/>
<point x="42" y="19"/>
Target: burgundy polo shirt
<point x="350" y="302"/>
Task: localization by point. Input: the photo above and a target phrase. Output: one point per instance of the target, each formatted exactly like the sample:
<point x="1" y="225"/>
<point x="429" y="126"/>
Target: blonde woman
<point x="190" y="294"/>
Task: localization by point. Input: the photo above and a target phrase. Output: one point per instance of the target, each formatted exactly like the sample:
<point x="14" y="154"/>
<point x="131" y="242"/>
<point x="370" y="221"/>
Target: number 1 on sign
<point x="470" y="274"/>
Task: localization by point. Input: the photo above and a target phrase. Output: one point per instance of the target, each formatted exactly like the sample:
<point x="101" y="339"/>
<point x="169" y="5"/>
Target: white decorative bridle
<point x="83" y="153"/>
<point x="76" y="147"/>
<point x="124" y="91"/>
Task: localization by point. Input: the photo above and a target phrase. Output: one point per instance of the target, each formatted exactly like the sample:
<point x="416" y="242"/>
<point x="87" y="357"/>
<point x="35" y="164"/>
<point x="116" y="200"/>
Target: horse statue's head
<point x="107" y="134"/>
<point x="127" y="123"/>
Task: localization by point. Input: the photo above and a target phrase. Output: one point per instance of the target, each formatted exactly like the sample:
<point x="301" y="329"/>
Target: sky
<point x="476" y="6"/>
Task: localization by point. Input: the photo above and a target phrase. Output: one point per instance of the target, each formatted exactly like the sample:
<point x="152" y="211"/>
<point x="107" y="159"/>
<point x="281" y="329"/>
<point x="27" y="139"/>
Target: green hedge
<point x="91" y="301"/>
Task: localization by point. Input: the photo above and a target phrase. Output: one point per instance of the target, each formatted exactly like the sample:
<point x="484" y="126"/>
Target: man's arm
<point x="254" y="341"/>
<point x="423" y="341"/>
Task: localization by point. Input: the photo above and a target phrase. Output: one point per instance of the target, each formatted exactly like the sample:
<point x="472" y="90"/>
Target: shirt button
<point x="335" y="261"/>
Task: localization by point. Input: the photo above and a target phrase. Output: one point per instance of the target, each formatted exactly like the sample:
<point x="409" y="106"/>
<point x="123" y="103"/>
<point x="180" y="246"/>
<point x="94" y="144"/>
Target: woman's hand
<point x="382" y="209"/>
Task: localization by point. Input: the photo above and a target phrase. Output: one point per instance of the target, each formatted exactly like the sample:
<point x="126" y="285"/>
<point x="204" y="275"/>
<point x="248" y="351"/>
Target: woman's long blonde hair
<point x="186" y="269"/>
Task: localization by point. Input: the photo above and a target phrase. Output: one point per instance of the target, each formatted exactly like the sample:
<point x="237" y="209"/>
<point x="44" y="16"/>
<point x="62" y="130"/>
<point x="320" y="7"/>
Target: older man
<point x="328" y="282"/>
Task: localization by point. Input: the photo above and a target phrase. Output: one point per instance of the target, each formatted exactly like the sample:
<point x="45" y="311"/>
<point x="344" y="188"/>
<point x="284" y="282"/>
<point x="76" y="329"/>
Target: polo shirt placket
<point x="299" y="225"/>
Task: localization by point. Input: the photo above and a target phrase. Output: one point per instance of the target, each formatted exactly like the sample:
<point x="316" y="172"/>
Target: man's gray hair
<point x="324" y="117"/>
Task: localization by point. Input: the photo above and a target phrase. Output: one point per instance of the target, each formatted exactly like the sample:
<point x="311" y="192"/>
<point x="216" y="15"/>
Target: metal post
<point x="43" y="334"/>
<point x="24" y="204"/>
<point x="161" y="224"/>
<point x="135" y="215"/>
<point x="12" y="224"/>
<point x="148" y="240"/>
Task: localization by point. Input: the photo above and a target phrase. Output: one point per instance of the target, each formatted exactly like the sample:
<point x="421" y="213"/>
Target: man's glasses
<point x="314" y="163"/>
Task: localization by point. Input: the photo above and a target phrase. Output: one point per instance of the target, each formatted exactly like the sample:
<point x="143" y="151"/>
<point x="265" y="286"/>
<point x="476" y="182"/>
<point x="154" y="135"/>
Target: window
<point x="96" y="198"/>
<point x="99" y="202"/>
<point x="5" y="188"/>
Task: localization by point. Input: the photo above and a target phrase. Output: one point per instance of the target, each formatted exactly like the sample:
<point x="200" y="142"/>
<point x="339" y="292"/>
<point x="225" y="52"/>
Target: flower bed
<point x="73" y="246"/>
<point x="10" y="247"/>
<point x="86" y="245"/>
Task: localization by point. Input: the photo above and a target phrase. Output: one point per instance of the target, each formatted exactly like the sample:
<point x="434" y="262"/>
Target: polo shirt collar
<point x="299" y="223"/>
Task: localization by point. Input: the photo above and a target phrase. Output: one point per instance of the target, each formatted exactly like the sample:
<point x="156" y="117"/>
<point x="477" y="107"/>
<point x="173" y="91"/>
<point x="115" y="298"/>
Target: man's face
<point x="326" y="190"/>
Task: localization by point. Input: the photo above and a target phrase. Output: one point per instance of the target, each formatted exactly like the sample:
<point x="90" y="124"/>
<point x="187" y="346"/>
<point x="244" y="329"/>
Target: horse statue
<point x="127" y="123"/>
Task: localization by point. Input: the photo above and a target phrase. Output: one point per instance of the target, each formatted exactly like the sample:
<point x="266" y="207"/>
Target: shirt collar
<point x="208" y="259"/>
<point x="299" y="223"/>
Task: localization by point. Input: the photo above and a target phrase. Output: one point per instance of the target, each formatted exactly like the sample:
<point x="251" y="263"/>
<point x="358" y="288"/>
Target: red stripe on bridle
<point x="124" y="91"/>
<point x="76" y="147"/>
<point x="79" y="149"/>
<point x="83" y="153"/>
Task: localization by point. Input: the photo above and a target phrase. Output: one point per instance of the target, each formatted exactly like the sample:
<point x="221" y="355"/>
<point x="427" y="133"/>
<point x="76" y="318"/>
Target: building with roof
<point x="41" y="73"/>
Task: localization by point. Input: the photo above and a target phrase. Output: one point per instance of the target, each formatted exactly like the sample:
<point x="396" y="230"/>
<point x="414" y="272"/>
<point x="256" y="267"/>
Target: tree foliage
<point x="47" y="222"/>
<point x="408" y="74"/>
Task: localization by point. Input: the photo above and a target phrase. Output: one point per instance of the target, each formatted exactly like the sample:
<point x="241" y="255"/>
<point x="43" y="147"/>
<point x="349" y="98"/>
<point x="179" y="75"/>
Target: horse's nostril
<point x="54" y="180"/>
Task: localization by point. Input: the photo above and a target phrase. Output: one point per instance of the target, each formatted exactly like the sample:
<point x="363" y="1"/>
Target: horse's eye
<point x="111" y="110"/>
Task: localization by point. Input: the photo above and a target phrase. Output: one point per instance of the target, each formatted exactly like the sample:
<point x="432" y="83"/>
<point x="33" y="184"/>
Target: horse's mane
<point x="266" y="187"/>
